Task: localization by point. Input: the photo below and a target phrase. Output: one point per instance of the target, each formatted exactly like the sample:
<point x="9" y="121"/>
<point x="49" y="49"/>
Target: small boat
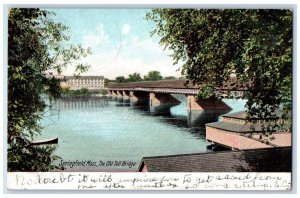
<point x="45" y="141"/>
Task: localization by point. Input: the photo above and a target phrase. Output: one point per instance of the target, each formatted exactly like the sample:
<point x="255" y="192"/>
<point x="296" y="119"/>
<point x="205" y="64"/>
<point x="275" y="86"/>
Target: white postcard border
<point x="278" y="181"/>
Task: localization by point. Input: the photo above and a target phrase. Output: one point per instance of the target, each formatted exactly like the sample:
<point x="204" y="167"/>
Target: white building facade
<point x="87" y="82"/>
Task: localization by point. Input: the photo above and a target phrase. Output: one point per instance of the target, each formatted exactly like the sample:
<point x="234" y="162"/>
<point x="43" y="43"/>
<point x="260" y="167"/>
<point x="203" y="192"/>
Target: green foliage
<point x="80" y="92"/>
<point x="120" y="79"/>
<point x="206" y="93"/>
<point x="134" y="77"/>
<point x="83" y="92"/>
<point x="103" y="92"/>
<point x="66" y="91"/>
<point x="34" y="50"/>
<point x="153" y="76"/>
<point x="106" y="82"/>
<point x="253" y="45"/>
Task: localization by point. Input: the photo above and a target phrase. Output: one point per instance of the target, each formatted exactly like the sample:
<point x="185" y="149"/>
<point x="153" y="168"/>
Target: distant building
<point x="87" y="82"/>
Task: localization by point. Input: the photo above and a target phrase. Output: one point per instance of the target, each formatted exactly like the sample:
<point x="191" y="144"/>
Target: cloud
<point x="123" y="66"/>
<point x="136" y="55"/>
<point x="95" y="38"/>
<point x="131" y="55"/>
<point x="148" y="48"/>
<point x="125" y="29"/>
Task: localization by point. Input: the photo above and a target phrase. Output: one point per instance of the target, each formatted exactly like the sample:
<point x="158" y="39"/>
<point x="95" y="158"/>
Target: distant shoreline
<point x="66" y="97"/>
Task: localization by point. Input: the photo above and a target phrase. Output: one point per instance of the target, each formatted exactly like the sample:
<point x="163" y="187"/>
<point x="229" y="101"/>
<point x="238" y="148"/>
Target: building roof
<point x="243" y="127"/>
<point x="243" y="115"/>
<point x="254" y="160"/>
<point x="239" y="128"/>
<point x="84" y="77"/>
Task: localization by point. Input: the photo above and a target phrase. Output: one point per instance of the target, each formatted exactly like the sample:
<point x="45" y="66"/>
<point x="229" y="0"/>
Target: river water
<point x="105" y="134"/>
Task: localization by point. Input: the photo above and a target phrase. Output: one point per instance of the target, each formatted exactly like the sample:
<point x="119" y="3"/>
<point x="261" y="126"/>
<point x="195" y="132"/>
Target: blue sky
<point x="120" y="41"/>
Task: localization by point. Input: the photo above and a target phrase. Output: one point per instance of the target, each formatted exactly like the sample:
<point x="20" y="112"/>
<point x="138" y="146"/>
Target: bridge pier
<point x="113" y="93"/>
<point x="162" y="98"/>
<point x="135" y="96"/>
<point x="119" y="94"/>
<point x="125" y="95"/>
<point x="155" y="99"/>
<point x="132" y="97"/>
<point x="194" y="104"/>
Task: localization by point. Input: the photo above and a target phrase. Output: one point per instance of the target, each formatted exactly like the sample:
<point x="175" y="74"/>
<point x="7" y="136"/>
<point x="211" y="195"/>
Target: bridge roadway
<point x="159" y="92"/>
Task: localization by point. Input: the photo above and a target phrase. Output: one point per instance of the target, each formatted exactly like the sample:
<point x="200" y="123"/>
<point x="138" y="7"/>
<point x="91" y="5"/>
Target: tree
<point x="106" y="82"/>
<point x="103" y="92"/>
<point x="153" y="76"/>
<point x="35" y="50"/>
<point x="134" y="77"/>
<point x="253" y="45"/>
<point x="84" y="92"/>
<point x="120" y="79"/>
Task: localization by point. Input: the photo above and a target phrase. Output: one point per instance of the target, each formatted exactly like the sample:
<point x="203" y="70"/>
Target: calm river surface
<point x="105" y="134"/>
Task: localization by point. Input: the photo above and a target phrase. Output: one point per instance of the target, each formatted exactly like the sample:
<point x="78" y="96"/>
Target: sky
<point x="120" y="41"/>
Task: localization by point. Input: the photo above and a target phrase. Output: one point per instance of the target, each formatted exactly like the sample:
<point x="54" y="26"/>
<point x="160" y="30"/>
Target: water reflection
<point x="123" y="103"/>
<point x="192" y="119"/>
<point x="80" y="104"/>
<point x="161" y="110"/>
<point x="193" y="122"/>
<point x="200" y="118"/>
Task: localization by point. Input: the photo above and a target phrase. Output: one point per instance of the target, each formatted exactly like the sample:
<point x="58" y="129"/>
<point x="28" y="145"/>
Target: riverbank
<point x="84" y="92"/>
<point x="84" y="97"/>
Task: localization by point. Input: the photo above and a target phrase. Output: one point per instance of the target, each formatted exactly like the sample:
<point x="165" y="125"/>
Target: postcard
<point x="149" y="98"/>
